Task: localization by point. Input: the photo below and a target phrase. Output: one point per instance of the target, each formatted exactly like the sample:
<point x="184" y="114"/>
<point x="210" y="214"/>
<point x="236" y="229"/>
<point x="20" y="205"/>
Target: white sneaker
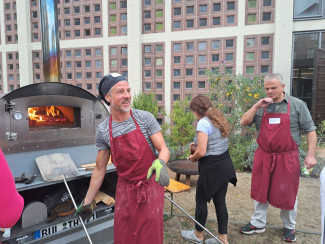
<point x="211" y="241"/>
<point x="189" y="235"/>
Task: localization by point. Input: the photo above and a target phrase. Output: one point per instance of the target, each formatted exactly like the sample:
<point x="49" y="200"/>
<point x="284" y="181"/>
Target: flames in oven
<point x="51" y="116"/>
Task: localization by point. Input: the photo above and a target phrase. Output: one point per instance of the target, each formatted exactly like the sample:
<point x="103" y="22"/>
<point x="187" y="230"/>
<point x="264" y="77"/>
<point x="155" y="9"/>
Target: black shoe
<point x="289" y="235"/>
<point x="250" y="229"/>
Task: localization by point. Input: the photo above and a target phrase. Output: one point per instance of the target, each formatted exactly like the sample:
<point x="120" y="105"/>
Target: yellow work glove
<point x="159" y="167"/>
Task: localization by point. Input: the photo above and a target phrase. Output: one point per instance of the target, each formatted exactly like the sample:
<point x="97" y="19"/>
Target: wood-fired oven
<point x="47" y="118"/>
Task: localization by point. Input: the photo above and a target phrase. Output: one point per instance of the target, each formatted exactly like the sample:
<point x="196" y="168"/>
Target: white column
<point x="135" y="45"/>
<point x="240" y="37"/>
<point x="283" y="26"/>
<point x="167" y="59"/>
<point x="24" y="43"/>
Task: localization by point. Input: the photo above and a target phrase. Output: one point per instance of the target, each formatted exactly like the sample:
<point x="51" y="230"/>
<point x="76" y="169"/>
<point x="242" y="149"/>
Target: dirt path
<point x="240" y="208"/>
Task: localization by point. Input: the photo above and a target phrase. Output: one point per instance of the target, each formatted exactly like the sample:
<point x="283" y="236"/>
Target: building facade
<point x="163" y="45"/>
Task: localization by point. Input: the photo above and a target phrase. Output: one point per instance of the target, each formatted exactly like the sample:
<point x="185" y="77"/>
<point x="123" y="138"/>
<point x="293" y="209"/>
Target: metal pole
<point x="75" y="205"/>
<point x="217" y="239"/>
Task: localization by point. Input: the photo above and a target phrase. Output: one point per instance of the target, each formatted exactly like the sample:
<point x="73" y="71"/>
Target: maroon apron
<point x="276" y="167"/>
<point x="139" y="202"/>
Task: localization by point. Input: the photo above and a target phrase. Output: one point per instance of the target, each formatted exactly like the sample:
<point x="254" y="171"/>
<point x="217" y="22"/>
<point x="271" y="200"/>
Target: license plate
<point x="53" y="229"/>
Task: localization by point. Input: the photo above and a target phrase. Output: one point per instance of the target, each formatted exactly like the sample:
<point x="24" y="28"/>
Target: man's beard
<point x="120" y="108"/>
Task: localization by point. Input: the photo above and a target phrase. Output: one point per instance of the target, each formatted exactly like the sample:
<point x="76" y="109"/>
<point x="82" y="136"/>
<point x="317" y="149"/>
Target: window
<point x="189" y="59"/>
<point x="124" y="62"/>
<point x="177" y="59"/>
<point x="112" y="18"/>
<point x="147" y="73"/>
<point x="202" y="58"/>
<point x="89" y="87"/>
<point x="189" y="9"/>
<point x="264" y="69"/>
<point x="177" y="11"/>
<point x="249" y="69"/>
<point x="215" y="57"/>
<point x="216" y="20"/>
<point x="124" y="29"/>
<point x="98" y="76"/>
<point x="159" y="13"/>
<point x="67" y="22"/>
<point x="35" y="25"/>
<point x="231" y="19"/>
<point x="230" y="5"/>
<point x="147" y="61"/>
<point x="230" y="43"/>
<point x="66" y="10"/>
<point x="77" y="21"/>
<point x="216" y="7"/>
<point x="176" y="85"/>
<point x="147" y="49"/>
<point x="147" y="86"/>
<point x="201" y="84"/>
<point x="177" y="72"/>
<point x="113" y="51"/>
<point x="124" y="17"/>
<point x="188" y="84"/>
<point x="189" y="46"/>
<point x="87" y="20"/>
<point x="123" y="4"/>
<point x="202" y="45"/>
<point x="203" y="8"/>
<point x="147" y="27"/>
<point x="177" y="46"/>
<point x="229" y="56"/>
<point x="159" y="26"/>
<point x="189" y="72"/>
<point x="159" y="73"/>
<point x="88" y="52"/>
<point x="147" y="2"/>
<point x="69" y="76"/>
<point x="159" y="48"/>
<point x="265" y="55"/>
<point x="34" y="15"/>
<point x="250" y="42"/>
<point x="112" y="30"/>
<point x="267" y="3"/>
<point x="250" y="56"/>
<point x="267" y="16"/>
<point x="176" y="97"/>
<point x="251" y="3"/>
<point x="201" y="72"/>
<point x="78" y="64"/>
<point x="158" y="85"/>
<point x="203" y="21"/>
<point x="76" y="10"/>
<point x="68" y="65"/>
<point x="8" y="27"/>
<point x="159" y="1"/>
<point x="159" y="61"/>
<point x="159" y="98"/>
<point x="251" y="18"/>
<point x="97" y="19"/>
<point x="98" y="52"/>
<point x="124" y="50"/>
<point x="265" y="40"/>
<point x="88" y="64"/>
<point x="87" y="32"/>
<point x="87" y="8"/>
<point x="215" y="44"/>
<point x="98" y="64"/>
<point x="37" y="66"/>
<point x="147" y="14"/>
<point x="177" y="24"/>
<point x="189" y="23"/>
<point x="125" y="73"/>
<point x="68" y="54"/>
<point x="88" y="75"/>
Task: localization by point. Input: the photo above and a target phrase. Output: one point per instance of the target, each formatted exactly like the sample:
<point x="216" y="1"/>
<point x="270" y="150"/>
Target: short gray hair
<point x="272" y="76"/>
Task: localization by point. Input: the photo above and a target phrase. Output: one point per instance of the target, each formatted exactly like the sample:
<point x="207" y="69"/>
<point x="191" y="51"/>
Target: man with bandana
<point x="133" y="140"/>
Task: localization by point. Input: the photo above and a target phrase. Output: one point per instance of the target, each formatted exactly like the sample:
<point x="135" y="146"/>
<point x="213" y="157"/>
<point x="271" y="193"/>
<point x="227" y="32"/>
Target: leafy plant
<point x="146" y="102"/>
<point x="321" y="134"/>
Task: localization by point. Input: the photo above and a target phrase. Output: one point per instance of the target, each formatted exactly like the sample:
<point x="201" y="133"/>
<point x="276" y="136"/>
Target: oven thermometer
<point x="18" y="115"/>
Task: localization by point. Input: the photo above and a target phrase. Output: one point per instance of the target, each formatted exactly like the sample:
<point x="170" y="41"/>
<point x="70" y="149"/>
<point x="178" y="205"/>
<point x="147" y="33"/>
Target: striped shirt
<point x="146" y="121"/>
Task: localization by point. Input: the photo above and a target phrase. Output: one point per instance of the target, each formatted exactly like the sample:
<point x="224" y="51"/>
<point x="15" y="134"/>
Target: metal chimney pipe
<point x="50" y="40"/>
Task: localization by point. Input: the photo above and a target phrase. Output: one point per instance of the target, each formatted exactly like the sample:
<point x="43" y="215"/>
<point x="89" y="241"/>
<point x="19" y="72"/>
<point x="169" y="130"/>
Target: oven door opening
<point x="53" y="117"/>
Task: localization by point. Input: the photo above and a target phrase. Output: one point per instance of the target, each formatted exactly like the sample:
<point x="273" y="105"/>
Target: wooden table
<point x="185" y="167"/>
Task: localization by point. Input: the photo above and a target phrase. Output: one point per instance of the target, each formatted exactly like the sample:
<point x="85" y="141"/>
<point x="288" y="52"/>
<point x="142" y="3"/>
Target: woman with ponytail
<point x="215" y="168"/>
